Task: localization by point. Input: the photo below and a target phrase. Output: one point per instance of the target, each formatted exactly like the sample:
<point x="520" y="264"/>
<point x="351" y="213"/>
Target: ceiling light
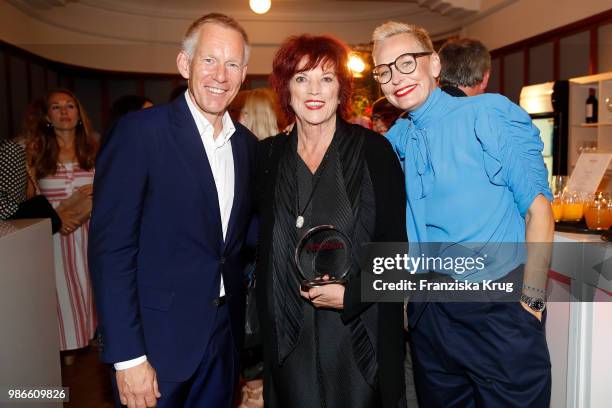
<point x="260" y="6"/>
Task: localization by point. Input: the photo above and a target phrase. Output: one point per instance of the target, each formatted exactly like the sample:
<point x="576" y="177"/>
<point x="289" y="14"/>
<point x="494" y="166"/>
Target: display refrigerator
<point x="548" y="106"/>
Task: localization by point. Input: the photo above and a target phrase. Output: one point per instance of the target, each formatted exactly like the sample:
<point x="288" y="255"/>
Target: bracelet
<point x="542" y="291"/>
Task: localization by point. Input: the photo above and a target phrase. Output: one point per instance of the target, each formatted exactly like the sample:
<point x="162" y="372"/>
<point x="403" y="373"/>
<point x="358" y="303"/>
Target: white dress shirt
<point x="219" y="153"/>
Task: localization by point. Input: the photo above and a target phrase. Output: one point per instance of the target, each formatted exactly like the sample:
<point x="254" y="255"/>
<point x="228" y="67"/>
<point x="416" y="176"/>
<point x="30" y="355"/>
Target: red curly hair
<point x="316" y="50"/>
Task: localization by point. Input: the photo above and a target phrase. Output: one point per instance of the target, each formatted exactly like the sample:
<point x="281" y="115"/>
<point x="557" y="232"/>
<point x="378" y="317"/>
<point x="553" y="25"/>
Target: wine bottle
<point x="591" y="107"/>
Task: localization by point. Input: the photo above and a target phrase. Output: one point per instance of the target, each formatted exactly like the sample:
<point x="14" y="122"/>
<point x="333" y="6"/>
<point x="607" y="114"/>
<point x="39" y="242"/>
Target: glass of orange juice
<point x="608" y="216"/>
<point x="596" y="213"/>
<point x="573" y="206"/>
<point x="557" y="209"/>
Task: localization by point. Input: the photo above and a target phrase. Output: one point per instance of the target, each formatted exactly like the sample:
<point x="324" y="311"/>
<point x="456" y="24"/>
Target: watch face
<point x="537" y="304"/>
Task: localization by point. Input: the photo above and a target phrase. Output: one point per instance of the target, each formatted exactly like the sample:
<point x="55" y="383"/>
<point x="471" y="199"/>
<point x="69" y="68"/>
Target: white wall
<point x="103" y="38"/>
<point x="526" y="18"/>
<point x="98" y="37"/>
<point x="59" y="44"/>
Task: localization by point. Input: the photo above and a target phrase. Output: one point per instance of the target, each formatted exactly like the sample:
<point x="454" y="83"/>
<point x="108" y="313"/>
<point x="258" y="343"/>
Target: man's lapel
<point x="240" y="180"/>
<point x="191" y="149"/>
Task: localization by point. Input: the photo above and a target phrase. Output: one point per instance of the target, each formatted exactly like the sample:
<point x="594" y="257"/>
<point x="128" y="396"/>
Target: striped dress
<point x="76" y="314"/>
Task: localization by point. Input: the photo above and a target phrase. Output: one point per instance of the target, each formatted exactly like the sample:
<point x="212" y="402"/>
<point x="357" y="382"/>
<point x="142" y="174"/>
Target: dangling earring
<point x="49" y="125"/>
<point x="80" y="123"/>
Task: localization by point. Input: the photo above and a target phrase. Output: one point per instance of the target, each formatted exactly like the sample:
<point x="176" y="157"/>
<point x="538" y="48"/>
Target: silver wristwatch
<point x="536" y="304"/>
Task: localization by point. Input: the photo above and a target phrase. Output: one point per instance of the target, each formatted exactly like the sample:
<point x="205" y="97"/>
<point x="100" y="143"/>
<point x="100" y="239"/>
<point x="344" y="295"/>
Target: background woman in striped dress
<point x="61" y="158"/>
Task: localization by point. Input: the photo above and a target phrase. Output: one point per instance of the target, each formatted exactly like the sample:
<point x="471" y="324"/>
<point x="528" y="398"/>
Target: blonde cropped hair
<point x="261" y="113"/>
<point x="391" y="28"/>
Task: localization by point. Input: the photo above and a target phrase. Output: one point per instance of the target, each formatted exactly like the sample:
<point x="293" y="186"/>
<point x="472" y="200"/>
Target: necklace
<point x="299" y="220"/>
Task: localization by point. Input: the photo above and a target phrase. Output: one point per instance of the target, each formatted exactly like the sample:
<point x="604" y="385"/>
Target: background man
<point x="172" y="205"/>
<point x="466" y="65"/>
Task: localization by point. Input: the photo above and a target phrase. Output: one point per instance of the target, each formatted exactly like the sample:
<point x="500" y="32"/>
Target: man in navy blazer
<point x="172" y="204"/>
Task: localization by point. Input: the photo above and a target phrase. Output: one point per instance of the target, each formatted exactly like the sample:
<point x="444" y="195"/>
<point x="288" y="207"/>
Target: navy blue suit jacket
<point x="156" y="248"/>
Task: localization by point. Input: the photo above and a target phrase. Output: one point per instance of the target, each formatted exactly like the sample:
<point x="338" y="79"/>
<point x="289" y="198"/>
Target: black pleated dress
<point x="322" y="357"/>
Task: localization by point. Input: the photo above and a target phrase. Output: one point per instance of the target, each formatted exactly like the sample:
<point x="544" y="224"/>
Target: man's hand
<point x="138" y="386"/>
<point x="538" y="315"/>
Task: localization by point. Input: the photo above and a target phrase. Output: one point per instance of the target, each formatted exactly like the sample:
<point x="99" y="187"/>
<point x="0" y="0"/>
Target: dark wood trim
<point x="258" y="77"/>
<point x="82" y="71"/>
<point x="45" y="79"/>
<point x="502" y="88"/>
<point x="9" y="94"/>
<point x="104" y="102"/>
<point x="28" y="79"/>
<point x="51" y="83"/>
<point x="526" y="66"/>
<point x="140" y="87"/>
<point x="70" y="82"/>
<point x="556" y="59"/>
<point x="248" y="82"/>
<point x="593" y="50"/>
<point x="563" y="31"/>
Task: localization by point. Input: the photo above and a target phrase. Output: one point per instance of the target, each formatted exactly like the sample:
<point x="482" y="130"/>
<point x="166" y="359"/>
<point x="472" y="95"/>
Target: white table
<point x="29" y="336"/>
<point x="579" y="333"/>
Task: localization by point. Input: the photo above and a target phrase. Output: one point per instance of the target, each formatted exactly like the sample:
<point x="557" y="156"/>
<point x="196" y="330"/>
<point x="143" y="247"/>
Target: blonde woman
<point x="261" y="113"/>
<point x="481" y="155"/>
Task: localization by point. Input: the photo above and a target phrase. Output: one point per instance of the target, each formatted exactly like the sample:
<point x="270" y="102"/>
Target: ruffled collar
<point x="429" y="110"/>
<point x="419" y="146"/>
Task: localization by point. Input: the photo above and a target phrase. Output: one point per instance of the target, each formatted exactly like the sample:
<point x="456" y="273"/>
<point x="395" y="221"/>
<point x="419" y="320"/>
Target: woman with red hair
<point x="325" y="347"/>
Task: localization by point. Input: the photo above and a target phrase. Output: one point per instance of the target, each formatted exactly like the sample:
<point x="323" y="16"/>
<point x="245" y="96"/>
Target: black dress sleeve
<point x="390" y="197"/>
<point x="390" y="192"/>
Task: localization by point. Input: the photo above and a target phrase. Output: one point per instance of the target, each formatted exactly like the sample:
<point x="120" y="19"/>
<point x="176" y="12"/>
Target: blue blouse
<point x="473" y="166"/>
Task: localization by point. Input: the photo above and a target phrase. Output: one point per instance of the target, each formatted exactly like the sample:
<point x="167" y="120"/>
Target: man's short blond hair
<point x="391" y="28"/>
<point x="190" y="40"/>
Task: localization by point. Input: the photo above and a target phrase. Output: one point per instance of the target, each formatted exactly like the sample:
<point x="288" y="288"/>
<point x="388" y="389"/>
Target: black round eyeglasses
<point x="405" y="64"/>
